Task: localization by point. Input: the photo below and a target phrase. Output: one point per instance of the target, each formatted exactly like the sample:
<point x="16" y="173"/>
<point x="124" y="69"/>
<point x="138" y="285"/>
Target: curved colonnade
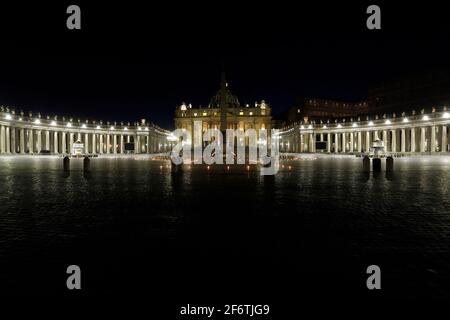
<point x="415" y="133"/>
<point x="21" y="134"/>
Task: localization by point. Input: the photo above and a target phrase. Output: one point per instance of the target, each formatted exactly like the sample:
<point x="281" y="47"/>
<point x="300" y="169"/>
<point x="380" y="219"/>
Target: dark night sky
<point x="130" y="62"/>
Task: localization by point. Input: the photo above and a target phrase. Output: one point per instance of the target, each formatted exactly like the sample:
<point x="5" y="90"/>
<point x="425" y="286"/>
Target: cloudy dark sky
<point x="130" y="62"/>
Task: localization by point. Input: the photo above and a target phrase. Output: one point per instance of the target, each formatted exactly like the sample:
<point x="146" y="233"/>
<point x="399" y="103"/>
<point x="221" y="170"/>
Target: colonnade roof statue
<point x="55" y="120"/>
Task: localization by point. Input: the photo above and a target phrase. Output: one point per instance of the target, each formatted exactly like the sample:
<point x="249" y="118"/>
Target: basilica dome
<point x="230" y="100"/>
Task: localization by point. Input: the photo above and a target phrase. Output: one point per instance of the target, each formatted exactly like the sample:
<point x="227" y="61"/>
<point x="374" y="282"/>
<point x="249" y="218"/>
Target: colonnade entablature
<point x="415" y="132"/>
<point x="20" y="133"/>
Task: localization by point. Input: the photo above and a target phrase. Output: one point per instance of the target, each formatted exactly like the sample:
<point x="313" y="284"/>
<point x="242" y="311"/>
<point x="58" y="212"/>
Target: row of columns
<point x="415" y="139"/>
<point x="27" y="140"/>
<point x="305" y="142"/>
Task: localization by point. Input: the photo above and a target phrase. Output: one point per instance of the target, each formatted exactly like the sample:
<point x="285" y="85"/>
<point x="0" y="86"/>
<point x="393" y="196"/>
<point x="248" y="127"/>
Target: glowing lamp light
<point x="354" y="125"/>
<point x="405" y="120"/>
<point x="126" y="129"/>
<point x="324" y="127"/>
<point x="8" y="117"/>
<point x="83" y="126"/>
<point x="53" y="123"/>
<point x="339" y="126"/>
<point x="98" y="127"/>
<point x="370" y="123"/>
<point x="388" y="121"/>
<point x="112" y="128"/>
<point x="37" y="121"/>
<point x="446" y="115"/>
<point x="426" y="118"/>
<point x="146" y="129"/>
<point x="69" y="125"/>
<point x="302" y="127"/>
<point x="310" y="127"/>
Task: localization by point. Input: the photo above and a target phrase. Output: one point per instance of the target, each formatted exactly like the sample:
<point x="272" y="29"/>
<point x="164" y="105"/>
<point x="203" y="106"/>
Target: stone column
<point x="328" y="142"/>
<point x="38" y="141"/>
<point x="367" y="141"/>
<point x="352" y="145"/>
<point x="115" y="143"/>
<point x="122" y="145"/>
<point x="148" y="144"/>
<point x="71" y="138"/>
<point x="444" y="141"/>
<point x="86" y="143"/>
<point x="22" y="140"/>
<point x="55" y="142"/>
<point x="403" y="141"/>
<point x="321" y="137"/>
<point x="422" y="139"/>
<point x="394" y="142"/>
<point x="359" y="143"/>
<point x="30" y="141"/>
<point x="2" y="139"/>
<point x="13" y="140"/>
<point x="138" y="144"/>
<point x="94" y="143"/>
<point x="413" y="139"/>
<point x="336" y="142"/>
<point x="8" y="141"/>
<point x="385" y="140"/>
<point x="47" y="140"/>
<point x="108" y="143"/>
<point x="63" y="143"/>
<point x="344" y="142"/>
<point x="312" y="142"/>
<point x="101" y="143"/>
<point x="433" y="139"/>
<point x="302" y="146"/>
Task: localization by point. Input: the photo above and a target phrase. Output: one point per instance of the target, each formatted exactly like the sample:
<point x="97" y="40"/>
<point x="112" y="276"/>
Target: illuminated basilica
<point x="225" y="112"/>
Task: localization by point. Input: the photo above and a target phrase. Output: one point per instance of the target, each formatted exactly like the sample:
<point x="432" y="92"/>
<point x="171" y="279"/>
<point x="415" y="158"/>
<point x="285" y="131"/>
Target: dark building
<point x="425" y="91"/>
<point x="417" y="92"/>
<point x="314" y="109"/>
